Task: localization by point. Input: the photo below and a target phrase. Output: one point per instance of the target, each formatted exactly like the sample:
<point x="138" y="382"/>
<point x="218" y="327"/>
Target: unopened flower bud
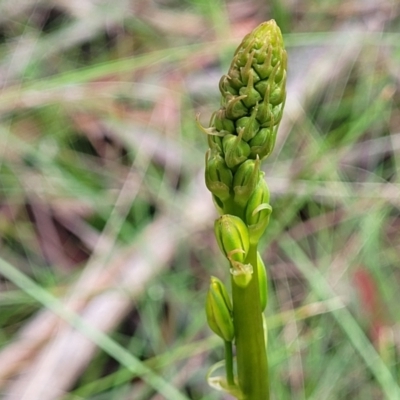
<point x="249" y="125"/>
<point x="258" y="211"/>
<point x="219" y="310"/>
<point x="274" y="92"/>
<point x="234" y="106"/>
<point x="215" y="143"/>
<point x="245" y="181"/>
<point x="222" y="123"/>
<point x="252" y="95"/>
<point x="218" y="176"/>
<point x="232" y="237"/>
<point x="234" y="81"/>
<point x="235" y="149"/>
<point x="263" y="143"/>
<point x="224" y="87"/>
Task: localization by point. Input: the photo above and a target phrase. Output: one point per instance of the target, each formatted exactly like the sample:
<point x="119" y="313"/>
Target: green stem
<point x="230" y="207"/>
<point x="252" y="365"/>
<point x="229" y="363"/>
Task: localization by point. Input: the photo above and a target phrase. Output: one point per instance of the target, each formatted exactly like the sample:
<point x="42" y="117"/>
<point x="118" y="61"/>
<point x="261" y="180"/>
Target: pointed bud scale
<point x="277" y="96"/>
<point x="258" y="211"/>
<point x="245" y="181"/>
<point x="224" y="86"/>
<point x="234" y="107"/>
<point x="263" y="54"/>
<point x="280" y="74"/>
<point x="249" y="125"/>
<point x="211" y="131"/>
<point x="235" y="81"/>
<point x="222" y="123"/>
<point x="246" y="72"/>
<point x="236" y="150"/>
<point x="262" y="282"/>
<point x="268" y="115"/>
<point x="252" y="95"/>
<point x="218" y="176"/>
<point x="215" y="143"/>
<point x="219" y="310"/>
<point x="265" y="114"/>
<point x="275" y="93"/>
<point x="263" y="143"/>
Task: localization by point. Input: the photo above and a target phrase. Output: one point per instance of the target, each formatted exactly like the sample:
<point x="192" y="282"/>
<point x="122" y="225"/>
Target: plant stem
<point x="251" y="353"/>
<point x="229" y="363"/>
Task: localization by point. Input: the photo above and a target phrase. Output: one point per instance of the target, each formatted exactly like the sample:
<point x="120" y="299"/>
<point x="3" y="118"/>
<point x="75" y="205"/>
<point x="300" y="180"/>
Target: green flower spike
<point x="219" y="310"/>
<point x="255" y="86"/>
<point x="240" y="135"/>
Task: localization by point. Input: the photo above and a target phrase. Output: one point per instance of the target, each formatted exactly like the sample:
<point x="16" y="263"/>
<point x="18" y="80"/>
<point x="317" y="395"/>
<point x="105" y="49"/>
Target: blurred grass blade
<point x="101" y="339"/>
<point x="343" y="317"/>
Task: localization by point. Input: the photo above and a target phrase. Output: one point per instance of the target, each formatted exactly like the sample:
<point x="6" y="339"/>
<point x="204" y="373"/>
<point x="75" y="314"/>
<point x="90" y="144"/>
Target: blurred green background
<point x="106" y="242"/>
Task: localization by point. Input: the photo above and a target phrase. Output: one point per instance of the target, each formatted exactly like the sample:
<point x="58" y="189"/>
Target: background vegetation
<point x="105" y="223"/>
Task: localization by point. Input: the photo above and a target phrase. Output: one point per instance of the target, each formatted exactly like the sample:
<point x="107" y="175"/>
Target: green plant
<point x="241" y="134"/>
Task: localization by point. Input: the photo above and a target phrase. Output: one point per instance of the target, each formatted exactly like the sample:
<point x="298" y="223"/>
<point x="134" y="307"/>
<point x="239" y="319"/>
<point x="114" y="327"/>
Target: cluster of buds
<point x="243" y="131"/>
<point x="241" y="134"/>
<point x="219" y="305"/>
<point x="253" y="96"/>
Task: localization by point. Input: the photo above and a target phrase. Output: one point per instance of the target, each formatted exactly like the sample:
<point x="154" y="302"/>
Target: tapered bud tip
<point x="267" y="32"/>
